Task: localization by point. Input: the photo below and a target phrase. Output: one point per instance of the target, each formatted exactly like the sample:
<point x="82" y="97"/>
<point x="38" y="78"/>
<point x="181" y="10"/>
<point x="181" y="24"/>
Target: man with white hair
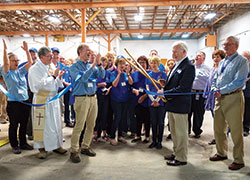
<point x="246" y="120"/>
<point x="180" y="80"/>
<point x="228" y="83"/>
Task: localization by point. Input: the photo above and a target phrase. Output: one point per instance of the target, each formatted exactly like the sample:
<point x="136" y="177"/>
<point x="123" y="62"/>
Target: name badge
<point x="123" y="83"/>
<point x="20" y="91"/>
<point x="140" y="90"/>
<point x="178" y="71"/>
<point x="90" y="84"/>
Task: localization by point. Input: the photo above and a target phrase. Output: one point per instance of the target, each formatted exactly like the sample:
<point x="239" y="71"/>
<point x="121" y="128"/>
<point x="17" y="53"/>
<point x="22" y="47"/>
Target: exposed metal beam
<point x="91" y="32"/>
<point x="109" y="3"/>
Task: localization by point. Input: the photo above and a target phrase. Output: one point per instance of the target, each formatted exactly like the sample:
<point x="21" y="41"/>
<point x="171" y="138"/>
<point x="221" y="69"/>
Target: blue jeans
<point x="157" y="115"/>
<point x="120" y="116"/>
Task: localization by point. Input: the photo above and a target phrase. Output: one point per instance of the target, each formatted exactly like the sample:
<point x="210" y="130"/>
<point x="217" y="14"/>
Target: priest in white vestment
<point x="47" y="125"/>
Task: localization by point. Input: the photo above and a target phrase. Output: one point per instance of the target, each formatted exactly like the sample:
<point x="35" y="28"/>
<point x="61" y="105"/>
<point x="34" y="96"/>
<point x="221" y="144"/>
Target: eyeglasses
<point x="48" y="56"/>
<point x="16" y="61"/>
<point x="227" y="44"/>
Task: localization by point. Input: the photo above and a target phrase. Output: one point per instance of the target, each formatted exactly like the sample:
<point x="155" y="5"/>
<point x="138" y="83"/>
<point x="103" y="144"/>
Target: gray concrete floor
<point x="130" y="161"/>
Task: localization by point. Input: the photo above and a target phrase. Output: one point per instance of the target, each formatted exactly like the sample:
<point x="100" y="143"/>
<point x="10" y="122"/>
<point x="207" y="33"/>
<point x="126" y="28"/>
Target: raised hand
<point x="4" y="45"/>
<point x="25" y="46"/>
<point x="98" y="58"/>
<point x="62" y="72"/>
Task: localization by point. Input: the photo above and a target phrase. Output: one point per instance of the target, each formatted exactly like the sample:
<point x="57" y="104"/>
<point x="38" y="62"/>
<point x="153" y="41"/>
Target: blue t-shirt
<point x="156" y="76"/>
<point x="16" y="83"/>
<point x="106" y="79"/>
<point x="139" y="84"/>
<point x="122" y="92"/>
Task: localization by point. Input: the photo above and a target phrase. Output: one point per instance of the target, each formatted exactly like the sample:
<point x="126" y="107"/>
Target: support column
<point x="83" y="29"/>
<point x="47" y="40"/>
<point x="109" y="43"/>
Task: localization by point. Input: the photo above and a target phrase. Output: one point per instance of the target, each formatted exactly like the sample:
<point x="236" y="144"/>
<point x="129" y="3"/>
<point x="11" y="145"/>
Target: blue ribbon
<point x="190" y="93"/>
<point x="3" y="90"/>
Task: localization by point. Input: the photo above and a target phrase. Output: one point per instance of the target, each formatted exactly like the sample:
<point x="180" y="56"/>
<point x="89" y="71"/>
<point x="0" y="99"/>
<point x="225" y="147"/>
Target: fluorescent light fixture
<point x="110" y="10"/>
<point x="185" y="35"/>
<point x="138" y="17"/>
<point x="140" y="36"/>
<point x="54" y="20"/>
<point x="210" y="16"/>
<point x="26" y="35"/>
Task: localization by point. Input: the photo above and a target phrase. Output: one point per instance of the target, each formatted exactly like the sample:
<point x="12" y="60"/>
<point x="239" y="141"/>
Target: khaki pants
<point x="179" y="133"/>
<point x="229" y="109"/>
<point x="3" y="106"/>
<point x="86" y="111"/>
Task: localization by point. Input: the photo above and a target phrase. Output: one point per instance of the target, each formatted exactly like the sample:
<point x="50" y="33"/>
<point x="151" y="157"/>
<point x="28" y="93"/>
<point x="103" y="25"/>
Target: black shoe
<point x="145" y="141"/>
<point x="176" y="163"/>
<point x="212" y="142"/>
<point x="197" y="136"/>
<point x="71" y="125"/>
<point x="75" y="157"/>
<point x="152" y="145"/>
<point x="158" y="146"/>
<point x="16" y="150"/>
<point x="136" y="140"/>
<point x="26" y="147"/>
<point x="88" y="152"/>
<point x="169" y="137"/>
<point x="169" y="157"/>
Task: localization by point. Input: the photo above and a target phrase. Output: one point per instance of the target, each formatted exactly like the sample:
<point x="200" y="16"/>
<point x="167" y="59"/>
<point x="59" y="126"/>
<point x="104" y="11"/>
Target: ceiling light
<point x="140" y="36"/>
<point x="110" y="10"/>
<point x="210" y="16"/>
<point x="138" y="17"/>
<point x="185" y="35"/>
<point x="54" y="20"/>
<point x="26" y="35"/>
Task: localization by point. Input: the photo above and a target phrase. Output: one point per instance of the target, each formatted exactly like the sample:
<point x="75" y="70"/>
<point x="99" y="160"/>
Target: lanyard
<point x="225" y="63"/>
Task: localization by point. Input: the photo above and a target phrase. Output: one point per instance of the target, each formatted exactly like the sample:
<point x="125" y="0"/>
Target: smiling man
<point x="229" y="104"/>
<point x="85" y="100"/>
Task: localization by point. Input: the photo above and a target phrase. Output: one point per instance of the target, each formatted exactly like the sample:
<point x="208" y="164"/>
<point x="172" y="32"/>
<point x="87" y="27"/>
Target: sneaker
<point x="245" y="133"/>
<point x="122" y="140"/>
<point x="88" y="152"/>
<point x="42" y="154"/>
<point x="16" y="150"/>
<point x="113" y="142"/>
<point x="26" y="147"/>
<point x="3" y="121"/>
<point x="74" y="157"/>
<point x="60" y="150"/>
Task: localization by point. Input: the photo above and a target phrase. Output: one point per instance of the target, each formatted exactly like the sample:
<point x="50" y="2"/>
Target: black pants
<point x="131" y="120"/>
<point x="101" y="120"/>
<point x="120" y="115"/>
<point x="110" y="117"/>
<point x="157" y="120"/>
<point x="29" y="130"/>
<point x="197" y="110"/>
<point x="66" y="107"/>
<point x="18" y="114"/>
<point x="246" y="121"/>
<point x="142" y="116"/>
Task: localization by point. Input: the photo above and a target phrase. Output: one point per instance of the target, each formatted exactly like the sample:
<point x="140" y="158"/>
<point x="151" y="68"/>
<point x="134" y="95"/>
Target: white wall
<point x="239" y="27"/>
<point x="207" y="50"/>
<point x="164" y="47"/>
<point x="67" y="48"/>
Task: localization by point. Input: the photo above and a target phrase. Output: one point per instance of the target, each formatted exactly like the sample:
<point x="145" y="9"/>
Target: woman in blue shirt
<point x="103" y="89"/>
<point x="141" y="102"/>
<point x="17" y="86"/>
<point x="157" y="110"/>
<point x="120" y="93"/>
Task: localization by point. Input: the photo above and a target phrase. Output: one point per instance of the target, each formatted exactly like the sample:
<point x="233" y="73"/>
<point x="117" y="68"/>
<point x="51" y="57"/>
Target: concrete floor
<point x="130" y="161"/>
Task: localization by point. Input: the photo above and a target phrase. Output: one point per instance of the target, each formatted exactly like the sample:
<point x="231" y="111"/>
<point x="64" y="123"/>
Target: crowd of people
<point x="110" y="98"/>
